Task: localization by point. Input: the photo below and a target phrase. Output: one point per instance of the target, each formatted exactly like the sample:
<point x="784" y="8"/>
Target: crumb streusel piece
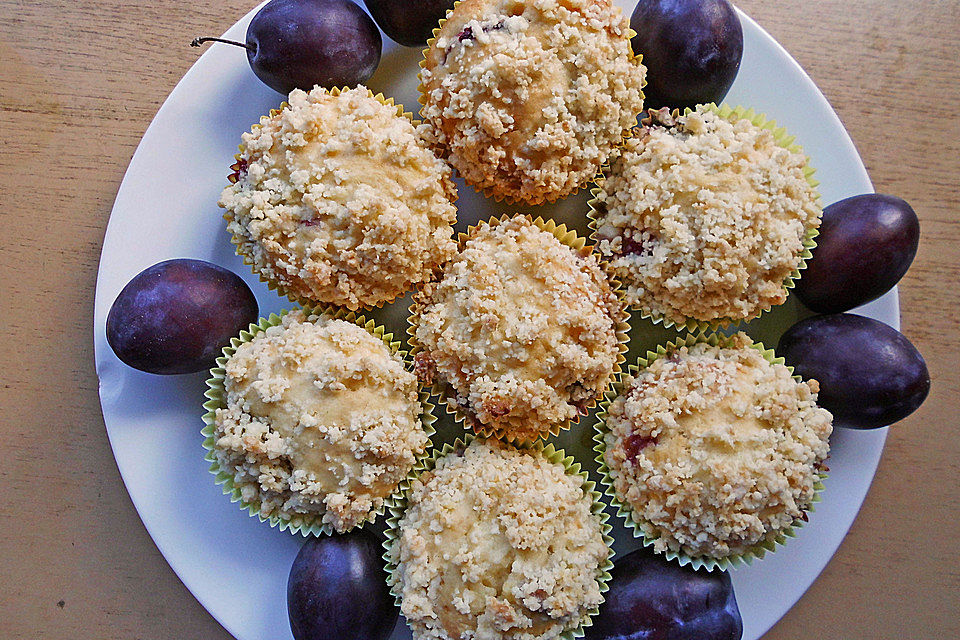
<point x="522" y="327"/>
<point x="703" y="218"/>
<point x="339" y="200"/>
<point x="497" y="543"/>
<point x="319" y="418"/>
<point x="715" y="449"/>
<point x="528" y="98"/>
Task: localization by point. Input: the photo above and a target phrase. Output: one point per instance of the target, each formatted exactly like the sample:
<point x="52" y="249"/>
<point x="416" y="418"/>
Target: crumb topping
<point x="527" y="99"/>
<point x="339" y="200"/>
<point x="497" y="543"/>
<point x="715" y="449"/>
<point x="705" y="219"/>
<point x="319" y="419"/>
<point x="521" y="326"/>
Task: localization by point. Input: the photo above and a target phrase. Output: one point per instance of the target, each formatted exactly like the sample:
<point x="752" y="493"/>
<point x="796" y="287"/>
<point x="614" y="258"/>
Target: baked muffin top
<point x="319" y="419"/>
<point x="527" y="99"/>
<point x="497" y="543"/>
<point x="338" y="200"/>
<point x="715" y="449"/>
<point x="704" y="218"/>
<point x="522" y="327"/>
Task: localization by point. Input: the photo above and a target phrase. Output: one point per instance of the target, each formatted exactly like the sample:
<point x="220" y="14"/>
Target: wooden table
<point x="79" y="83"/>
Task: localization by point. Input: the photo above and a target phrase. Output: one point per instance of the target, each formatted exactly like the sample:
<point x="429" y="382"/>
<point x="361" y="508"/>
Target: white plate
<point x="237" y="566"/>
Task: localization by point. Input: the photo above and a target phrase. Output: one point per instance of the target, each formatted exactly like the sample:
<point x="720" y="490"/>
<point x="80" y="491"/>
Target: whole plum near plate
<point x="870" y="375"/>
<point x="176" y="316"/>
<point x="298" y="44"/>
<point x="866" y="244"/>
<point x="409" y="22"/>
<point x="651" y="598"/>
<point x="337" y="589"/>
<point x="692" y="50"/>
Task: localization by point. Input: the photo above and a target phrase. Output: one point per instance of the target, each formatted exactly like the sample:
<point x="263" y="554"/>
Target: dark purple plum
<point x="866" y="244"/>
<point x="176" y="316"/>
<point x="651" y="598"/>
<point x="297" y="44"/>
<point x="870" y="375"/>
<point x="409" y="22"/>
<point x="337" y="589"/>
<point x="691" y="48"/>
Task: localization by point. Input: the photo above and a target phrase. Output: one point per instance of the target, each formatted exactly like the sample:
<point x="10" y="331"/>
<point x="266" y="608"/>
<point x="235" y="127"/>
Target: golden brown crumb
<point x="521" y="326"/>
<point x="497" y="544"/>
<point x="527" y="99"/>
<point x="338" y="200"/>
<point x="715" y="449"/>
<point x="319" y="419"/>
<point x="706" y="219"/>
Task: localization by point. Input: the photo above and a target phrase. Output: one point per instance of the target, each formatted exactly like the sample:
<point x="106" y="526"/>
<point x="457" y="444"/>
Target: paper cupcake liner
<point x="784" y="140"/>
<point x="445" y="391"/>
<point x="305" y="524"/>
<point x="397" y="505"/>
<point x="643" y="530"/>
<point x="239" y="243"/>
<point x="488" y="191"/>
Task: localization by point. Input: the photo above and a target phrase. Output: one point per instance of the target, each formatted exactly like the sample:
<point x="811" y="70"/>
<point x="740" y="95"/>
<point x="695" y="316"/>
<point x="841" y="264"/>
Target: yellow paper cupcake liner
<point x="644" y="530"/>
<point x="306" y="524"/>
<point x="241" y="245"/>
<point x="489" y="192"/>
<point x="397" y="505"/>
<point x="445" y="391"/>
<point x="782" y="139"/>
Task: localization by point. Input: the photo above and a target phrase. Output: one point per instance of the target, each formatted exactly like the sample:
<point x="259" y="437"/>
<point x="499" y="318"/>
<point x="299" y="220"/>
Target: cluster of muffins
<point x="342" y="202"/>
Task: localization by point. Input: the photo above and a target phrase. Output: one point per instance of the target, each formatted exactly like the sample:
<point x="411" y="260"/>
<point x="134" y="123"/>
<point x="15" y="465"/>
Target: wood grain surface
<point x="80" y="82"/>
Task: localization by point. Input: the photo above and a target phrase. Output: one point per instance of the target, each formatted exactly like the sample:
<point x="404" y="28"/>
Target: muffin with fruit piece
<point x="319" y="422"/>
<point x="528" y="99"/>
<point x="522" y="332"/>
<point x="336" y="199"/>
<point x="714" y="450"/>
<point x="706" y="217"/>
<point x="498" y="543"/>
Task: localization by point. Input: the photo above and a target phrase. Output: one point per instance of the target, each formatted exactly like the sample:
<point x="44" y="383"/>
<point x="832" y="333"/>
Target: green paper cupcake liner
<point x="307" y="524"/>
<point x="240" y="243"/>
<point x="397" y="505"/>
<point x="643" y="530"/>
<point x="784" y="140"/>
<point x="488" y="191"/>
<point x="445" y="391"/>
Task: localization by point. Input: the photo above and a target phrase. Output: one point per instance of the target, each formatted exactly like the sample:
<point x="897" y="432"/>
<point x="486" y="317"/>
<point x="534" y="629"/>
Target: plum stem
<point x="199" y="41"/>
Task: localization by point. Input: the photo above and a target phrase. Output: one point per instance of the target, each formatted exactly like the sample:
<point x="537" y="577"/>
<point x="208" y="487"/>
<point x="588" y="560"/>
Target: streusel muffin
<point x="498" y="543"/>
<point x="521" y="330"/>
<point x="527" y="99"/>
<point x="714" y="449"/>
<point x="337" y="199"/>
<point x="319" y="421"/>
<point x="705" y="216"/>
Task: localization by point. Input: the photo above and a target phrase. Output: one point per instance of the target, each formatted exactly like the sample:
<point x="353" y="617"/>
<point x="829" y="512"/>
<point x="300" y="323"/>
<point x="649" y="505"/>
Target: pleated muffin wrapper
<point x="733" y="114"/>
<point x="644" y="530"/>
<point x="445" y="391"/>
<point x="304" y="524"/>
<point x="238" y="242"/>
<point x="397" y="506"/>
<point x="488" y="191"/>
